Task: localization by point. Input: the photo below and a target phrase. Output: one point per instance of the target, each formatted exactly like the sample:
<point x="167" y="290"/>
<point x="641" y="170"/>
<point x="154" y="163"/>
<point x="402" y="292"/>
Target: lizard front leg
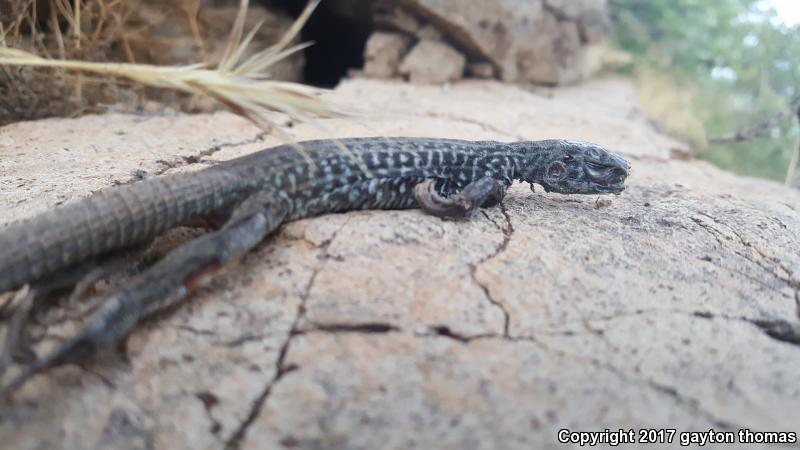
<point x="165" y="283"/>
<point x="483" y="192"/>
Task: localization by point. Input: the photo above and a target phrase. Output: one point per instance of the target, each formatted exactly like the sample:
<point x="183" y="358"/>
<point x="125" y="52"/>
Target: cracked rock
<point x="672" y="305"/>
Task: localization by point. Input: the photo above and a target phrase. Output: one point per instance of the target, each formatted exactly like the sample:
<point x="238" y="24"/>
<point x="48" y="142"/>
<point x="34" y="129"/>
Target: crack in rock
<point x="209" y="401"/>
<point x="776" y="262"/>
<point x="718" y="235"/>
<point x="778" y="329"/>
<point x="446" y="332"/>
<point x="182" y="161"/>
<point x="471" y="121"/>
<point x="241" y="340"/>
<point x="789" y="279"/>
<point x="508" y="231"/>
<point x="281" y="369"/>
<point x="366" y="328"/>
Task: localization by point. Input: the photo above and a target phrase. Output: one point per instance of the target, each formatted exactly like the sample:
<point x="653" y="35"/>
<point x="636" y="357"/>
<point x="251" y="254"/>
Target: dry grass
<point x="239" y="83"/>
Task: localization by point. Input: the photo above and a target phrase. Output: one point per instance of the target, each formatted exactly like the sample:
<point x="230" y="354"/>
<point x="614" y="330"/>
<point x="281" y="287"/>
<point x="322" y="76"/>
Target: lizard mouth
<point x="608" y="178"/>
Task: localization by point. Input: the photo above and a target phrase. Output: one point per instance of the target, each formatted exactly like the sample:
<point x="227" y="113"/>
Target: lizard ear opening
<point x="556" y="171"/>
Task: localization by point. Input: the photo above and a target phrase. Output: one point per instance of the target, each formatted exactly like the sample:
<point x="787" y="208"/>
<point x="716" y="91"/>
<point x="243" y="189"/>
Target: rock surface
<point x="164" y="34"/>
<point x="384" y="53"/>
<point x="542" y="41"/>
<point x="673" y="305"/>
<point x="433" y="62"/>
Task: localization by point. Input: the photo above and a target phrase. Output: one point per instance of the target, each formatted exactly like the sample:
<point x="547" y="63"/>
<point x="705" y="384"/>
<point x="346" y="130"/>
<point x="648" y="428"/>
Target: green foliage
<point x="743" y="62"/>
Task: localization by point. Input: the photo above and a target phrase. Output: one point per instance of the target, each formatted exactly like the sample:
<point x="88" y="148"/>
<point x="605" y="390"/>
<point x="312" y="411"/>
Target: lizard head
<point x="573" y="167"/>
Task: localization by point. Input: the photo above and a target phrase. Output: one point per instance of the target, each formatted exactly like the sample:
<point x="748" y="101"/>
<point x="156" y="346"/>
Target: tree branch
<point x="759" y="130"/>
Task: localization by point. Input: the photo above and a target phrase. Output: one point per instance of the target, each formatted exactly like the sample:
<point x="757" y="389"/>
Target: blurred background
<point x="706" y="70"/>
<point x="721" y="75"/>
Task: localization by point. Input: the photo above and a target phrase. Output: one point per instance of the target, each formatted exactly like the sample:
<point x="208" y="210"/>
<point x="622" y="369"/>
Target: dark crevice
<point x="502" y="307"/>
<point x="367" y="327"/>
<point x="703" y="314"/>
<point x="241" y="340"/>
<point x="210" y="400"/>
<point x="780" y="330"/>
<point x="339" y="33"/>
<point x="507" y="232"/>
<point x="445" y="331"/>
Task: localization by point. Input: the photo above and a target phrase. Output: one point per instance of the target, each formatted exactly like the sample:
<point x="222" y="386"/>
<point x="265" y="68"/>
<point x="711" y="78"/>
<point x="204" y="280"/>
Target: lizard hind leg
<point x="163" y="284"/>
<point x="483" y="192"/>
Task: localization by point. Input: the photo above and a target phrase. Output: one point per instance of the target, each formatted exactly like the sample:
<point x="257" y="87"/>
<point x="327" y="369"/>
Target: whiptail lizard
<point x="255" y="194"/>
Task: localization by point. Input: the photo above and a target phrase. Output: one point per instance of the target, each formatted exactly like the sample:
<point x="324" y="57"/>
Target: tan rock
<point x="383" y="54"/>
<point x="672" y="305"/>
<point x="528" y="40"/>
<point x="433" y="62"/>
<point x="391" y="16"/>
<point x="164" y="35"/>
<point x="590" y="15"/>
<point x="429" y="32"/>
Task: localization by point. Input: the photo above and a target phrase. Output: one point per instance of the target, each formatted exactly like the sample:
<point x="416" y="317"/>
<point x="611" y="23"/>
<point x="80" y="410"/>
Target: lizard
<point x="252" y="196"/>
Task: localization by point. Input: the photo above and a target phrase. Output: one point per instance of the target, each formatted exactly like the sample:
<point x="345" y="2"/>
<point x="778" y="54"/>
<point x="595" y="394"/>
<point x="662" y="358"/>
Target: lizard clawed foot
<point x="14" y="347"/>
<point x="23" y="304"/>
<point x="71" y="352"/>
<point x="485" y="191"/>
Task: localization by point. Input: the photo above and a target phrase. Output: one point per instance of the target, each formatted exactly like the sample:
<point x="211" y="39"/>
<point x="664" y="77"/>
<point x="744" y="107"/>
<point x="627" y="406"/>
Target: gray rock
<point x="433" y="62"/>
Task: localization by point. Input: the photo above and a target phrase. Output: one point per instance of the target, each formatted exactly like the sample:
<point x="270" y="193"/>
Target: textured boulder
<point x="542" y="41"/>
<point x="432" y="62"/>
<point x="164" y="35"/>
<point x="384" y="53"/>
<point x="672" y="305"/>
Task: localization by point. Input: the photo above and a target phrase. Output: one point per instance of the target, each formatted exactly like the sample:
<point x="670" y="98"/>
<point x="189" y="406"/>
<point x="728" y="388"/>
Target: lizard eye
<point x="568" y="157"/>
